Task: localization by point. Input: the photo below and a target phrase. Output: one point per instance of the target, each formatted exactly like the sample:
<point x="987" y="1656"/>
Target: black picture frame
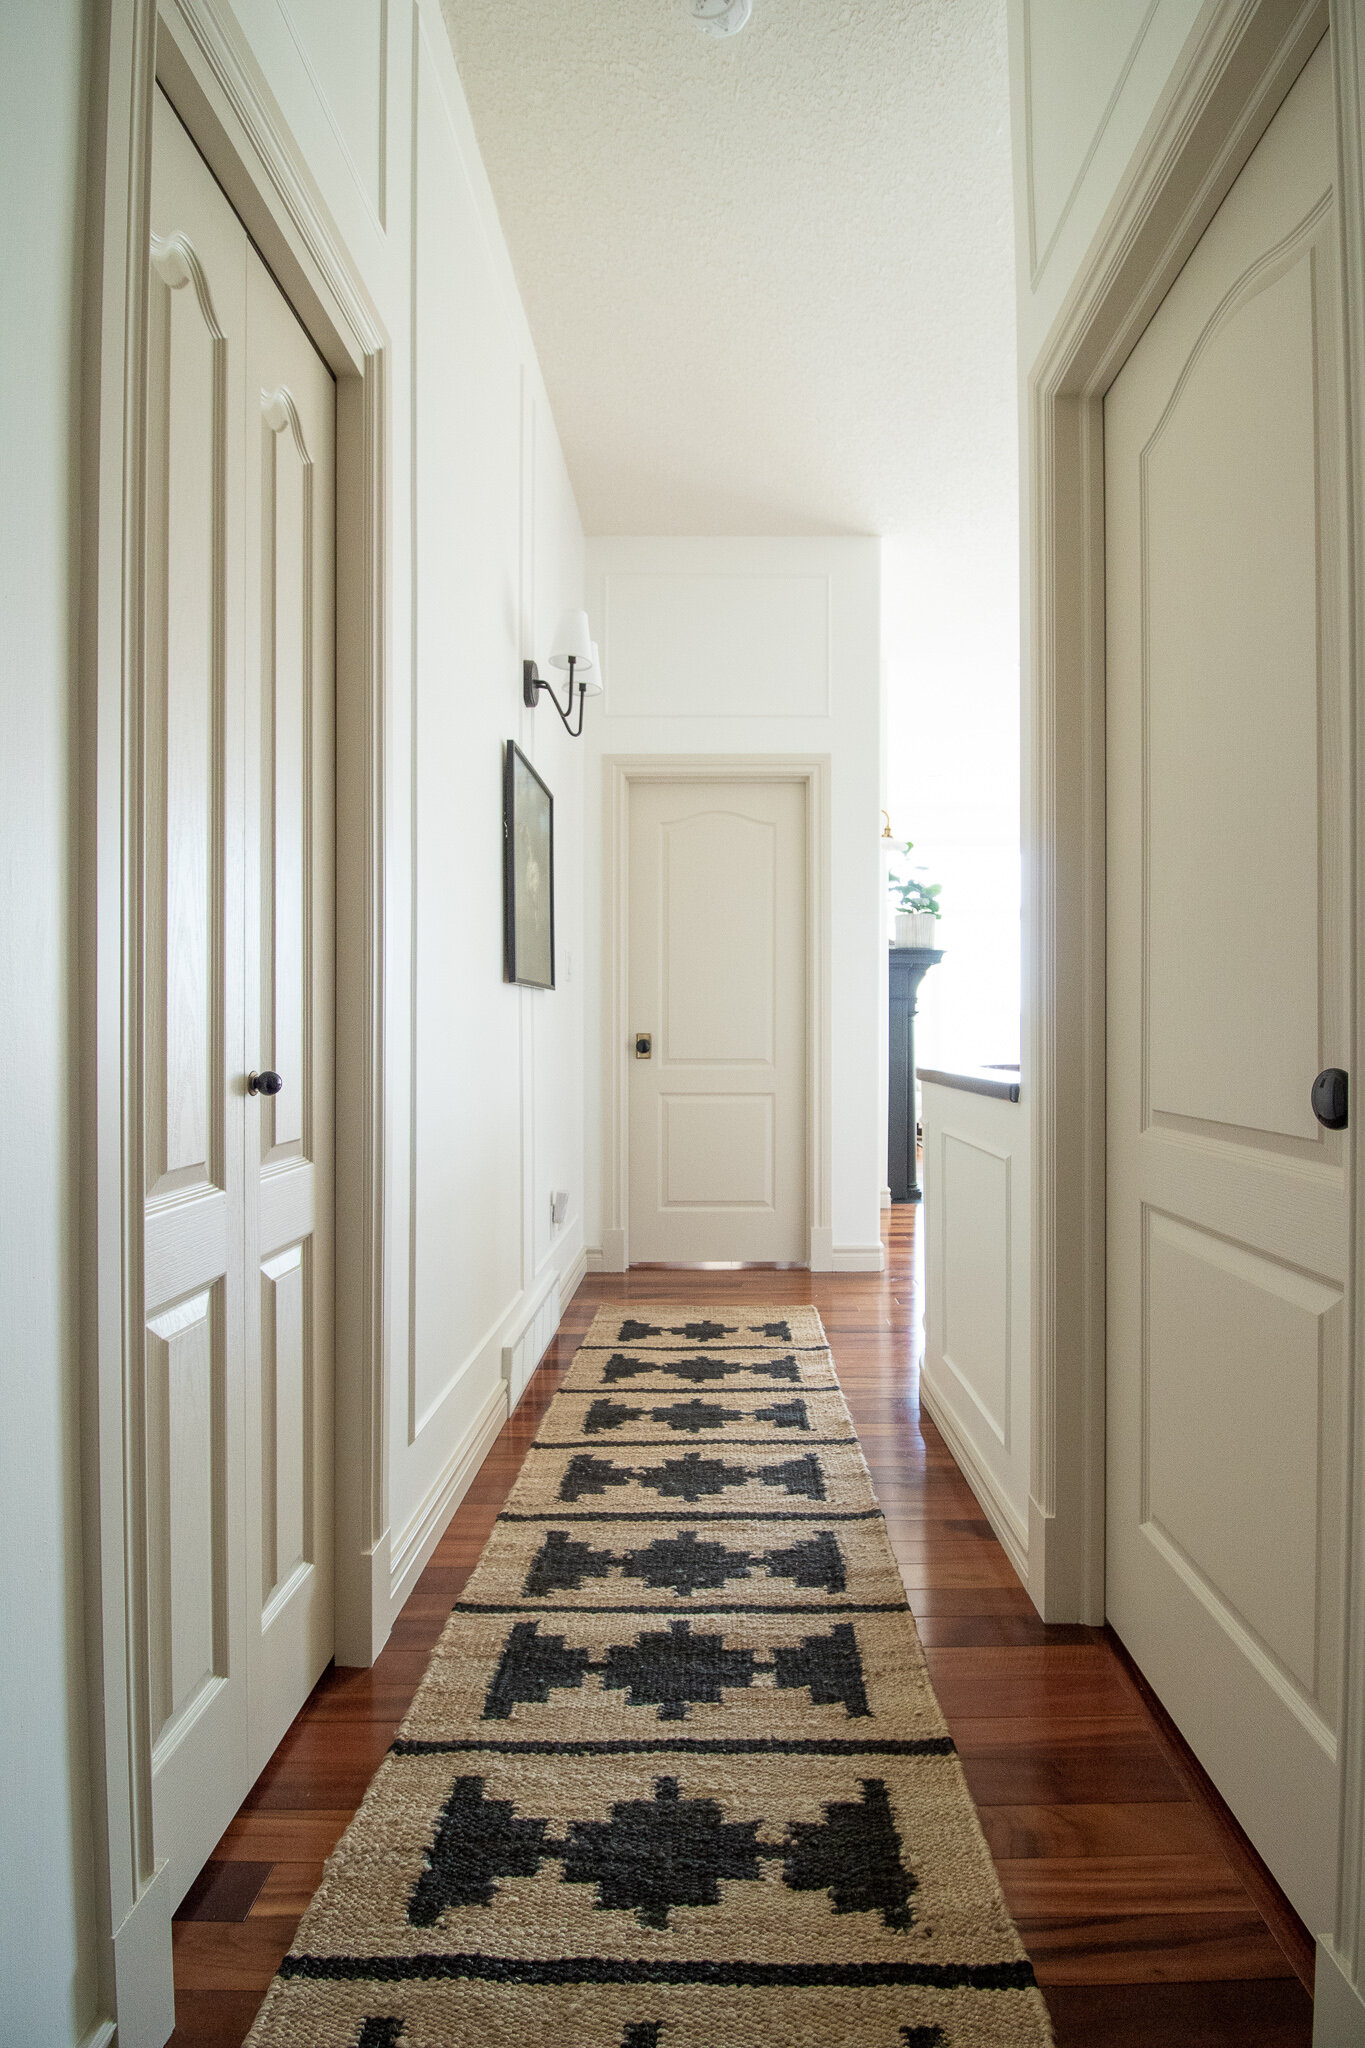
<point x="528" y="873"/>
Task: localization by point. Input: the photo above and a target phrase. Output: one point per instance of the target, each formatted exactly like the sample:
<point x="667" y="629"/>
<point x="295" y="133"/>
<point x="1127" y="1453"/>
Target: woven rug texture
<point x="676" y="1776"/>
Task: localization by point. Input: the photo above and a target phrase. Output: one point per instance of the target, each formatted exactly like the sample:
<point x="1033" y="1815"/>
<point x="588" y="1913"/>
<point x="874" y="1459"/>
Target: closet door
<point x="1229" y="722"/>
<point x="236" y="945"/>
<point x="290" y="433"/>
<point x="193" y="996"/>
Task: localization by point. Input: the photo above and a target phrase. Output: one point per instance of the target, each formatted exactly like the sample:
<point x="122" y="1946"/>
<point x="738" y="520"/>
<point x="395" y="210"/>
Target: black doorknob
<point x="1329" y="1098"/>
<point x="267" y="1082"/>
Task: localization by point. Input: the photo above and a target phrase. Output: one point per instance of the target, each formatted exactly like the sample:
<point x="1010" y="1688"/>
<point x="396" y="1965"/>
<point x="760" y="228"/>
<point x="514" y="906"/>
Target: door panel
<point x="1231" y="690"/>
<point x="194" y="479"/>
<point x="192" y="1000"/>
<point x="1212" y="1306"/>
<point x="719" y="1000"/>
<point x="290" y="696"/>
<point x="718" y="978"/>
<point x="185" y="1518"/>
<point x="237" y="951"/>
<point x="1229" y="977"/>
<point x="717" y="1149"/>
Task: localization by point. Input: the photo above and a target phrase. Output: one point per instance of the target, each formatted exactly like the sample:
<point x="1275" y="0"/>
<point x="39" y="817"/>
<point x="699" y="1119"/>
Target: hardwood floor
<point x="1150" y="1922"/>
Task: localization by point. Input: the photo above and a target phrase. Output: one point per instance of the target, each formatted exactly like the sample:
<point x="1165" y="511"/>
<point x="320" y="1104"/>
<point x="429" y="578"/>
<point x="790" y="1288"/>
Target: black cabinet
<point x="909" y="965"/>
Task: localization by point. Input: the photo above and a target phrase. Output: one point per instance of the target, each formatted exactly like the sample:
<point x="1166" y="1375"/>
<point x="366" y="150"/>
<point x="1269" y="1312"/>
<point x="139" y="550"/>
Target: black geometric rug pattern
<point x="675" y="1777"/>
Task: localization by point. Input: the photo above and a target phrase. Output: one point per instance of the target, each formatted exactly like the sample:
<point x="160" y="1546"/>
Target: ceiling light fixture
<point x="720" y="17"/>
<point x="576" y="652"/>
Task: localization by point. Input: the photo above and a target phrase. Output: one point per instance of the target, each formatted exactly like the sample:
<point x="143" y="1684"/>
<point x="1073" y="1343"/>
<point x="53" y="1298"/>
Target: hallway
<point x="1147" y="1921"/>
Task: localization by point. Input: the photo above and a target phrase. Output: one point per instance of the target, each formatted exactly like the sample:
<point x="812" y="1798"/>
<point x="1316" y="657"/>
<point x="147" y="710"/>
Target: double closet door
<point x="233" y="936"/>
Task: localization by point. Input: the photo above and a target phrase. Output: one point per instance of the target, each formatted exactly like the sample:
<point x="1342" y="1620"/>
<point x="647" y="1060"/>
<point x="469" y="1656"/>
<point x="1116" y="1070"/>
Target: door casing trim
<point x="621" y="772"/>
<point x="195" y="51"/>
<point x="1238" y="66"/>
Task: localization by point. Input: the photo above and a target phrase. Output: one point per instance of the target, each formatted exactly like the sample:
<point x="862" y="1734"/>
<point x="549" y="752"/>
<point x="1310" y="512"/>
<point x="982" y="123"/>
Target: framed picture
<point x="528" y="870"/>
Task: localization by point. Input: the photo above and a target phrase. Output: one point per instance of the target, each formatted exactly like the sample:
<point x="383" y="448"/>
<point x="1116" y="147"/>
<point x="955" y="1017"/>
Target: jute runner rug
<point x="675" y="1777"/>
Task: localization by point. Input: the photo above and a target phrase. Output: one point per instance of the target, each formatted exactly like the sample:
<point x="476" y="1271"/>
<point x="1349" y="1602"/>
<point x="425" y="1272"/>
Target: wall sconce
<point x="574" y="651"/>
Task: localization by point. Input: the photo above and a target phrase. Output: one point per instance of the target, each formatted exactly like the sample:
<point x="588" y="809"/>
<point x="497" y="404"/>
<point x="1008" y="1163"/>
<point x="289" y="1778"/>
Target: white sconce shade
<point x="575" y="651"/>
<point x="572" y="643"/>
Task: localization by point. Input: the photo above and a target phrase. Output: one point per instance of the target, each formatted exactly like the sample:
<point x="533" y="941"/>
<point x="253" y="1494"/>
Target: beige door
<point x="236" y="945"/>
<point x="717" y="980"/>
<point x="1229" y="979"/>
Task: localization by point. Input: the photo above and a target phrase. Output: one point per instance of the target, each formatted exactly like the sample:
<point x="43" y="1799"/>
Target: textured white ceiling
<point x="770" y="279"/>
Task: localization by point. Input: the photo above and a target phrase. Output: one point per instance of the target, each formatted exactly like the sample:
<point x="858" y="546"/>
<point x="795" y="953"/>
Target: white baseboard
<point x="1338" y="2008"/>
<point x="570" y="1282"/>
<point x="593" y="1255"/>
<point x="857" y="1258"/>
<point x="529" y="1336"/>
<point x="427" y="1526"/>
<point x="886" y="1198"/>
<point x="99" y="2036"/>
<point x="1008" y="1526"/>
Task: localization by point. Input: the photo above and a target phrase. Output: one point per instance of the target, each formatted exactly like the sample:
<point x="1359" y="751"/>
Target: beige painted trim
<point x="1339" y="2021"/>
<point x="620" y="772"/>
<point x="196" y="50"/>
<point x="1239" y="63"/>
<point x="1338" y="2008"/>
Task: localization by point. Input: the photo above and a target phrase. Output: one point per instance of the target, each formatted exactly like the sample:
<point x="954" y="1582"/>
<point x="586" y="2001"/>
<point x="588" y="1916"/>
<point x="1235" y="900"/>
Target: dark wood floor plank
<point x="212" y="1957"/>
<point x="1037" y="1759"/>
<point x="1151" y="1948"/>
<point x="225" y="1890"/>
<point x="287" y="1890"/>
<point x="212" y="2019"/>
<point x="1159" y="1828"/>
<point x="1077" y="1887"/>
<point x="285" y="1837"/>
<point x="1226" y="2014"/>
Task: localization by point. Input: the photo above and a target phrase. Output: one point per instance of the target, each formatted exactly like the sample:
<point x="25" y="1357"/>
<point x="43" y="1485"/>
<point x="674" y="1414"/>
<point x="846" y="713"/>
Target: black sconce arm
<point x="532" y="683"/>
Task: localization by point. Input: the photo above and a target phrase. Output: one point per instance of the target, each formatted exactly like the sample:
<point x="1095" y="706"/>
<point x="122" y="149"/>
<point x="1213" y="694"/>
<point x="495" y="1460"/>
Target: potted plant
<point x="917" y="908"/>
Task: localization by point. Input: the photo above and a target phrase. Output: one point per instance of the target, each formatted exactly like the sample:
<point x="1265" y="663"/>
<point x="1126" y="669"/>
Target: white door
<point x="717" y="985"/>
<point x="290" y="497"/>
<point x="1229" y="988"/>
<point x="236" y="948"/>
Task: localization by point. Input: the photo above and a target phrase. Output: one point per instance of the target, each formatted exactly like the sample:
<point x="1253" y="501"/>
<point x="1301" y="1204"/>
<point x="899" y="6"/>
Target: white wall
<point x="482" y="1081"/>
<point x="47" y="1988"/>
<point x="745" y="646"/>
<point x="975" y="1377"/>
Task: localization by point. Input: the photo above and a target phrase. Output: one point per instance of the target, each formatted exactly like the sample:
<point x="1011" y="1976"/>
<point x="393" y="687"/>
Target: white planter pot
<point x="916" y="928"/>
